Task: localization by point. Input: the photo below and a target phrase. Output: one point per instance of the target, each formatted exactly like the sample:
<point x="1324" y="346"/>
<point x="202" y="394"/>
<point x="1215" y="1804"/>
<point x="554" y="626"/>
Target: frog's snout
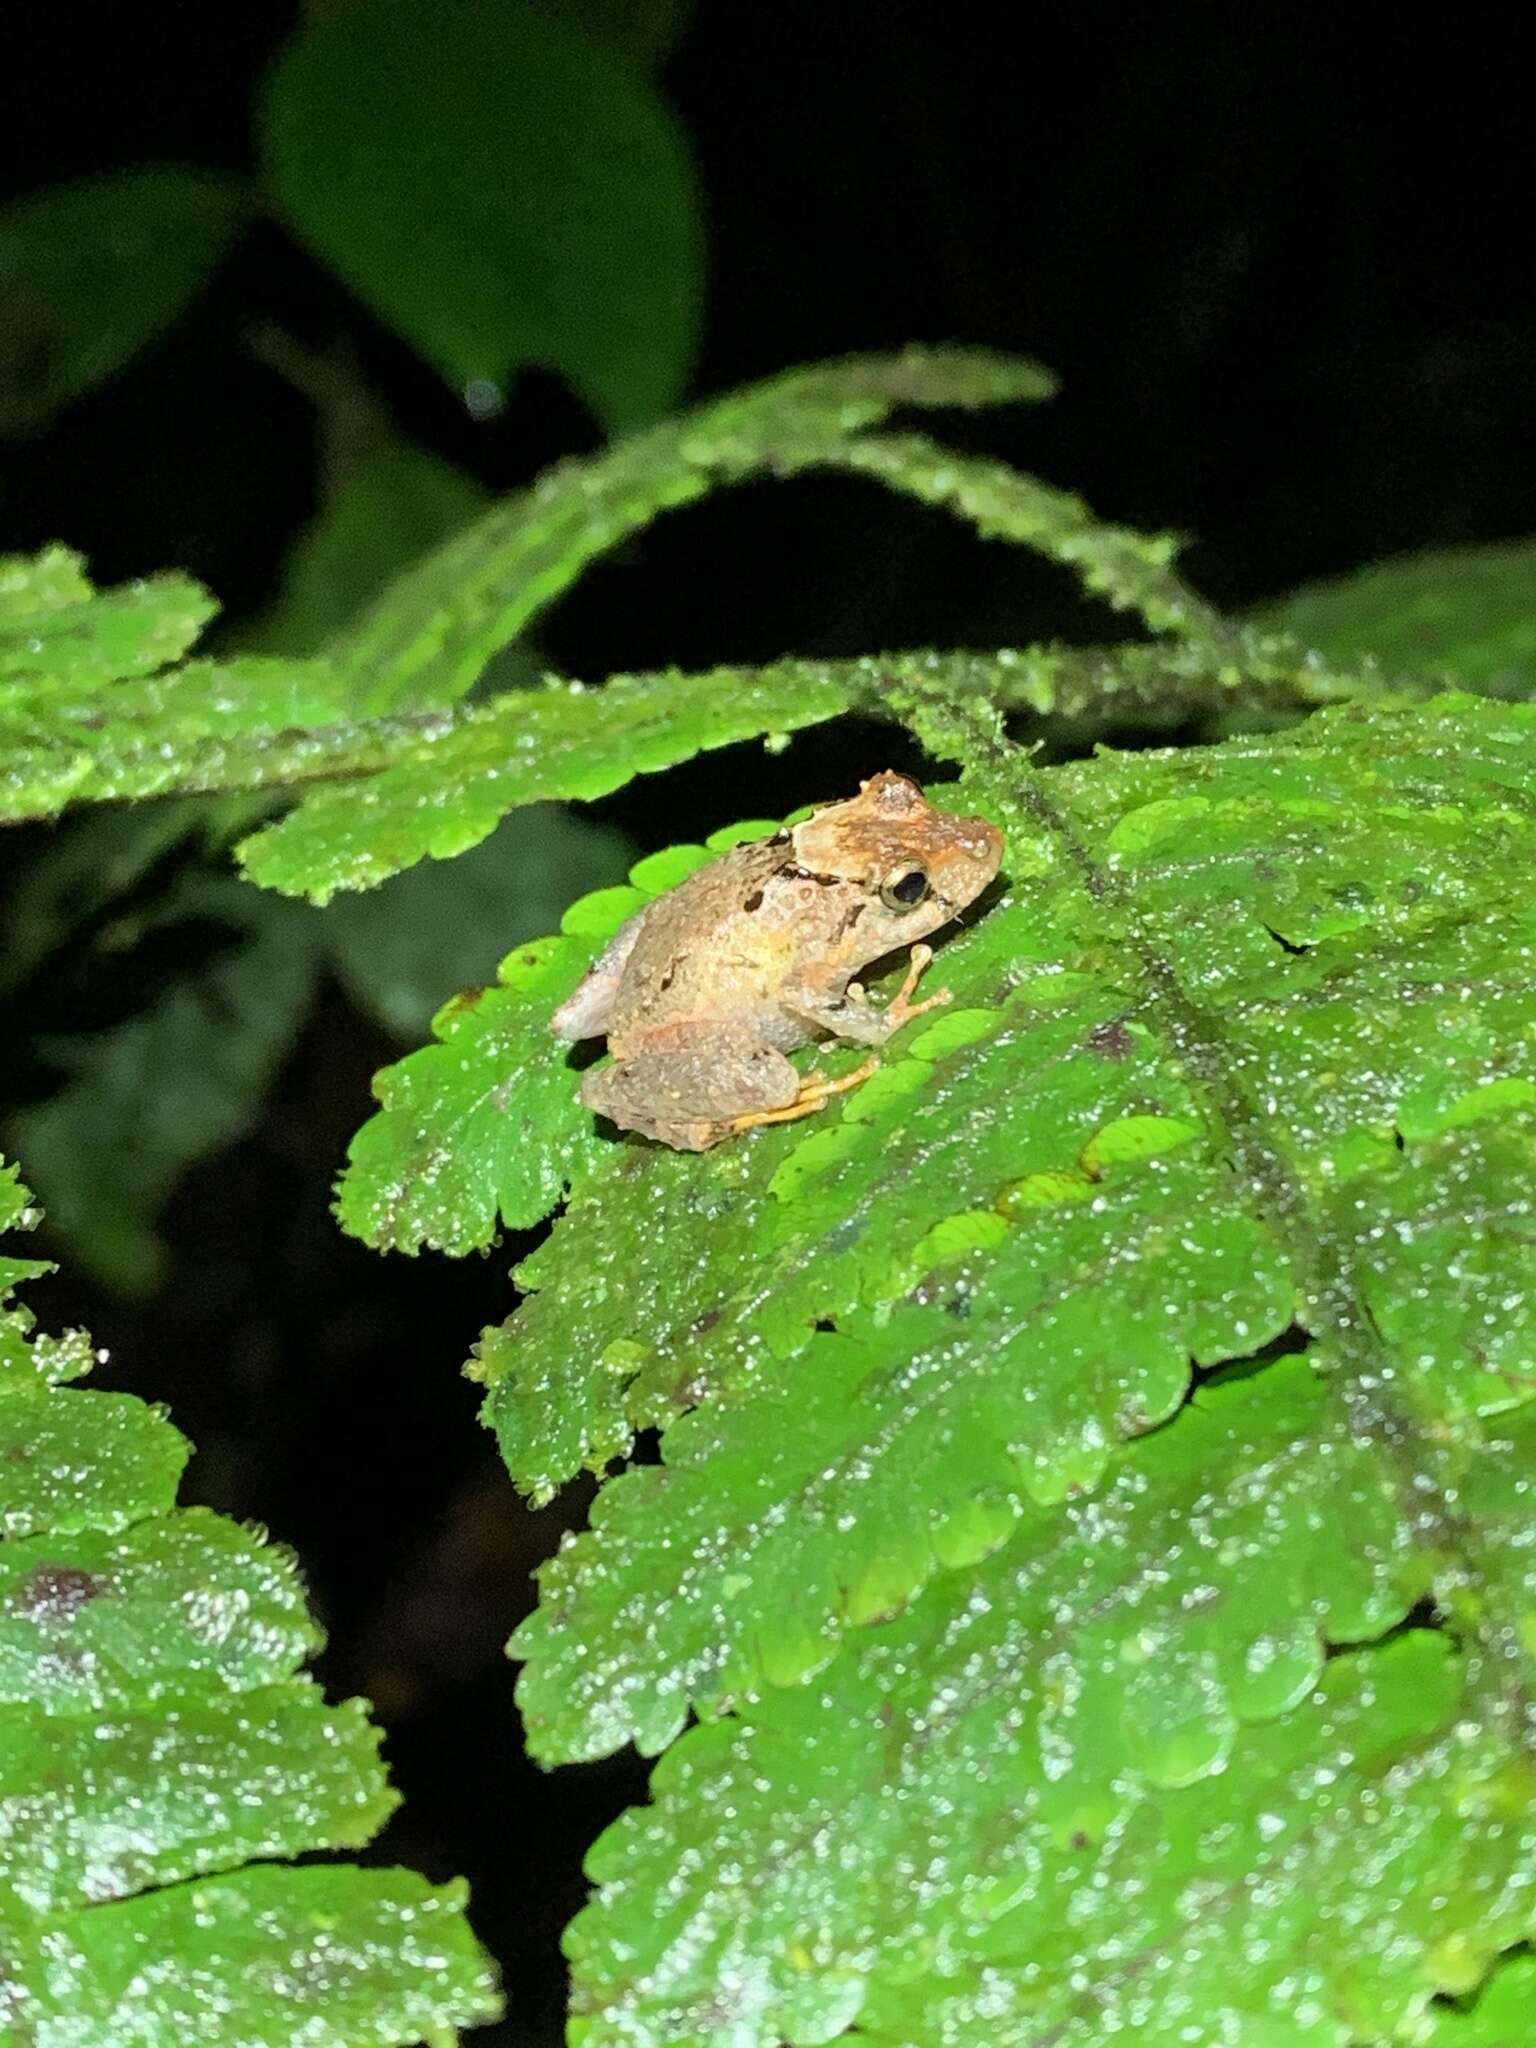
<point x="976" y="849"/>
<point x="982" y="843"/>
<point x="989" y="841"/>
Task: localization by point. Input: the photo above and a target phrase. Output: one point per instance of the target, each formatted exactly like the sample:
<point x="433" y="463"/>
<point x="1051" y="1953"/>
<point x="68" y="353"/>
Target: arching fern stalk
<point x="92" y="708"/>
<point x="160" y="1747"/>
<point x="1094" y="1529"/>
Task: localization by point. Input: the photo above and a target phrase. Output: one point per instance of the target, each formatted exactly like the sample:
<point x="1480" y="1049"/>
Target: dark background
<point x="1281" y="259"/>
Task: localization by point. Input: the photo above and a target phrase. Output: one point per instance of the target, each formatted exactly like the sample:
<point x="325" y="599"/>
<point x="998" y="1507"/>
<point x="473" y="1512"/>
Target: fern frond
<point x="429" y="635"/>
<point x="159" y="1746"/>
<point x="978" y="1605"/>
<point x="58" y="635"/>
<point x="942" y="1842"/>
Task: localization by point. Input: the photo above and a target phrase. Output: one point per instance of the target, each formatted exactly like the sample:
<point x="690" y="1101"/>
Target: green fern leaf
<point x="891" y="1860"/>
<point x="451" y="782"/>
<point x="1498" y="2017"/>
<point x="27" y="1360"/>
<point x="59" y="635"/>
<point x="264" y="1957"/>
<point x="1247" y="1043"/>
<point x="559" y="742"/>
<point x="91" y="710"/>
<point x="201" y="728"/>
<point x="485" y="1121"/>
<point x="1285" y="833"/>
<point x="157" y="1737"/>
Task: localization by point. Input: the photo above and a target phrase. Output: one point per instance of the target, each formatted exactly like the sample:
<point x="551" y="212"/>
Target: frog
<point x="704" y="993"/>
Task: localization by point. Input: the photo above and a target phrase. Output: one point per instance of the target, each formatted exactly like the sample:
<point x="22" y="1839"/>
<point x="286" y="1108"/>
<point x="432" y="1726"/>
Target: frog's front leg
<point x="850" y="1015"/>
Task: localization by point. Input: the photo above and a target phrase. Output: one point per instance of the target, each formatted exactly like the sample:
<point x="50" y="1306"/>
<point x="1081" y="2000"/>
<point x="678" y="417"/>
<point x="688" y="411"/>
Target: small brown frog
<point x="704" y="991"/>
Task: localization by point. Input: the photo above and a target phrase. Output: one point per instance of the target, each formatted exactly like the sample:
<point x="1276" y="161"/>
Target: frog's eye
<point x="904" y="889"/>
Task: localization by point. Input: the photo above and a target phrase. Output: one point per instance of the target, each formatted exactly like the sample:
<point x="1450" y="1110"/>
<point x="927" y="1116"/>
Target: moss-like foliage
<point x="162" y="1756"/>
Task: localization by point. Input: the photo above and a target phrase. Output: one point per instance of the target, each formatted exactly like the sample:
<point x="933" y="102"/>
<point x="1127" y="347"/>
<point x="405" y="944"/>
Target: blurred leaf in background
<point x="499" y="188"/>
<point x="144" y="1099"/>
<point x="93" y="860"/>
<point x="1465" y="615"/>
<point x="645" y="30"/>
<point x="91" y="271"/>
<point x="387" y="503"/>
<point x="402" y="950"/>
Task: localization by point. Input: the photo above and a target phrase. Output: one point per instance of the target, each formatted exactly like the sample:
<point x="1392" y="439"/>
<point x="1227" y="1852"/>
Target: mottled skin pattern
<point x="703" y="992"/>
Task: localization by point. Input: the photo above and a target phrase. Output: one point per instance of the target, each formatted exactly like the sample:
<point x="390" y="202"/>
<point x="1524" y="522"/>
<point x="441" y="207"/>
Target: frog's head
<point x="916" y="867"/>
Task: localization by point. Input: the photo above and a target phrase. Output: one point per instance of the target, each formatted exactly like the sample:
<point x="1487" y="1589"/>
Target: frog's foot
<point x="852" y="1017"/>
<point x="901" y="1009"/>
<point x="815" y="1089"/>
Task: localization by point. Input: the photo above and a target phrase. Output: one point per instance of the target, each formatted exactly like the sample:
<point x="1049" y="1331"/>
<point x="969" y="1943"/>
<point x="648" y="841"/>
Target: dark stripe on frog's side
<point x="790" y="873"/>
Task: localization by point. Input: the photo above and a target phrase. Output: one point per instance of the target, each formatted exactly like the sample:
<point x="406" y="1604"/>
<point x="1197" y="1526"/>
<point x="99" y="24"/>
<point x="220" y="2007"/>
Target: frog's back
<point x="703" y="952"/>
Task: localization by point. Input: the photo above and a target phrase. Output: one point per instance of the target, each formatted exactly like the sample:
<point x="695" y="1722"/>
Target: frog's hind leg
<point x="814" y="1090"/>
<point x="690" y="1094"/>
